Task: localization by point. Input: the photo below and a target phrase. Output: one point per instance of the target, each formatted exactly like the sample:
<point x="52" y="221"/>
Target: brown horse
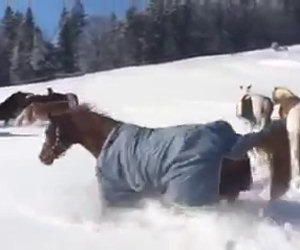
<point x="39" y="112"/>
<point x="12" y="106"/>
<point x="54" y="97"/>
<point x="92" y="130"/>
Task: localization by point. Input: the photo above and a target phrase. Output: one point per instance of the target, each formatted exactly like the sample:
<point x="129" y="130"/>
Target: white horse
<point x="255" y="108"/>
<point x="290" y="109"/>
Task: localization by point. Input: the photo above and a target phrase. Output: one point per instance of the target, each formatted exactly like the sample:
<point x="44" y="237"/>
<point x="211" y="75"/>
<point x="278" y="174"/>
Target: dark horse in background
<point x="11" y="107"/>
<point x="96" y="133"/>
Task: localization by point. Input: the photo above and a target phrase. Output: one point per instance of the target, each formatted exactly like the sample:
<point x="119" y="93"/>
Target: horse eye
<point x="48" y="130"/>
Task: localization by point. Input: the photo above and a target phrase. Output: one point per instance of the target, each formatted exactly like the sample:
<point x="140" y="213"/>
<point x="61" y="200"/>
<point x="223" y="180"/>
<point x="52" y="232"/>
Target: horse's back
<point x="50" y="107"/>
<point x="139" y="159"/>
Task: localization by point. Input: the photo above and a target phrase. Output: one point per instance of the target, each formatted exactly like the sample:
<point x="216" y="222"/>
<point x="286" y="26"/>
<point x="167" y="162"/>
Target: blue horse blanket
<point x="181" y="164"/>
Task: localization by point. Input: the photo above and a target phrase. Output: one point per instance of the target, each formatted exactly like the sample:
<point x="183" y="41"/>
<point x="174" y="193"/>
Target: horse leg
<point x="293" y="129"/>
<point x="25" y="115"/>
<point x="294" y="154"/>
<point x="19" y="120"/>
<point x="31" y="117"/>
<point x="280" y="174"/>
<point x="6" y="121"/>
<point x="265" y="121"/>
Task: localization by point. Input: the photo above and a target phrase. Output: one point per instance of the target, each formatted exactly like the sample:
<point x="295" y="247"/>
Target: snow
<point x="58" y="207"/>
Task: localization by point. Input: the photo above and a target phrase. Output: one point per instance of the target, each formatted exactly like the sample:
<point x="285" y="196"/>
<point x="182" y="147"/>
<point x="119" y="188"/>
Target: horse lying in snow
<point x="256" y="109"/>
<point x="179" y="164"/>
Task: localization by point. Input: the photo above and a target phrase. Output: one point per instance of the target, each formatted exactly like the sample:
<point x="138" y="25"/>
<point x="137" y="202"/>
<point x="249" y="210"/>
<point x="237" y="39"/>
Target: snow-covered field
<point x="58" y="208"/>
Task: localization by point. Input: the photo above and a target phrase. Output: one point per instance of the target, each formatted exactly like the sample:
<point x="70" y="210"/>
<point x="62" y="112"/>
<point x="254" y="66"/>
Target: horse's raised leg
<point x="265" y="121"/>
<point x="19" y="120"/>
<point x="22" y="117"/>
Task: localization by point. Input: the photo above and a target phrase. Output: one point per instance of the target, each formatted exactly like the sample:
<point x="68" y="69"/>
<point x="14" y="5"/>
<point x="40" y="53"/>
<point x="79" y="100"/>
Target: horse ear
<point x="50" y="91"/>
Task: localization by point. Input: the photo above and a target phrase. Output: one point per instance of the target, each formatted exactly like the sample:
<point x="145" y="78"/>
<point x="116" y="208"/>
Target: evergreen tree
<point x="77" y="22"/>
<point x="10" y="22"/>
<point x="7" y="44"/>
<point x="21" y="68"/>
<point x="40" y="61"/>
<point x="66" y="47"/>
<point x="71" y="28"/>
<point x="91" y="59"/>
<point x="137" y="34"/>
<point x="156" y="42"/>
<point x="182" y="25"/>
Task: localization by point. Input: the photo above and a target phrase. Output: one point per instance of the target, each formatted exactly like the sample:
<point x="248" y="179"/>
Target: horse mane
<point x="84" y="107"/>
<point x="280" y="93"/>
<point x="87" y="108"/>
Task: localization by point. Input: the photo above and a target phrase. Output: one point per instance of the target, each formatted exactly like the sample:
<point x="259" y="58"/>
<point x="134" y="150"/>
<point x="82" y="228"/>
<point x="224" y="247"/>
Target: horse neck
<point x="96" y="133"/>
<point x="287" y="104"/>
<point x="274" y="138"/>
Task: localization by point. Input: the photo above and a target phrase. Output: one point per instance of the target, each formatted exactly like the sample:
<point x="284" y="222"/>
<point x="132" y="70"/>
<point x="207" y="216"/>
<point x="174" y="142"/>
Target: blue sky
<point x="47" y="12"/>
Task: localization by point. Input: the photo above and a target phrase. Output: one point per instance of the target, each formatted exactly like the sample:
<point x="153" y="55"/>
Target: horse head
<point x="79" y="125"/>
<point x="244" y="105"/>
<point x="281" y="93"/>
<point x="245" y="89"/>
<point x="59" y="137"/>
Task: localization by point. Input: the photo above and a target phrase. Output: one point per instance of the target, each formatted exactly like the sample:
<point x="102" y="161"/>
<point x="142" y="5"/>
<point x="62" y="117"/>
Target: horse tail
<point x="293" y="129"/>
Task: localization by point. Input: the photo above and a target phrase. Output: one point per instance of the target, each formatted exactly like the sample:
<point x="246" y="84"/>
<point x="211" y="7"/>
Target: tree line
<point x="162" y="31"/>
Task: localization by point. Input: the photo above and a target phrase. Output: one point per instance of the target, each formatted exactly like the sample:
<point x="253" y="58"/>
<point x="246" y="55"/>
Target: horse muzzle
<point x="46" y="159"/>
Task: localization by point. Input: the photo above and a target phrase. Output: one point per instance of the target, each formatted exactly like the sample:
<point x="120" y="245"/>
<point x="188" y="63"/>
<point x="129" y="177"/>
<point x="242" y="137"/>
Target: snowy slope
<point x="58" y="208"/>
